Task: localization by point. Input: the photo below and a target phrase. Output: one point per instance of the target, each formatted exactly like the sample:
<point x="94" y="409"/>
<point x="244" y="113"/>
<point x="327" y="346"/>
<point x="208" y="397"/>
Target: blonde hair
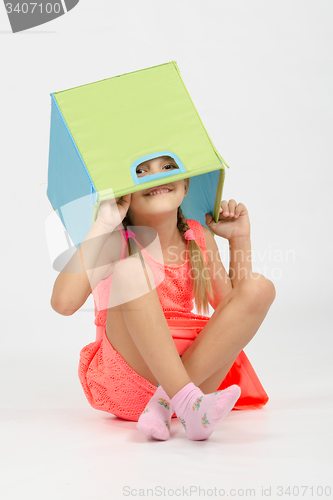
<point x="199" y="273"/>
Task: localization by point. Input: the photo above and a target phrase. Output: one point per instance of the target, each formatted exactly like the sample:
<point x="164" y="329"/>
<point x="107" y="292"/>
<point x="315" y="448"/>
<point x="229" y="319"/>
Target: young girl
<point x="147" y="364"/>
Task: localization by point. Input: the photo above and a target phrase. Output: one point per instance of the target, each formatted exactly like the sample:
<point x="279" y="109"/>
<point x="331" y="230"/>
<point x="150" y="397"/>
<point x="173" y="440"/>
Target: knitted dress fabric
<point x="109" y="383"/>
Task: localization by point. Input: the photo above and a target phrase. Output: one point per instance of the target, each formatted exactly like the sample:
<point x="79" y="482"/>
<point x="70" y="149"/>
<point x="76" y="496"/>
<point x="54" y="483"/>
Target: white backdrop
<point x="260" y="75"/>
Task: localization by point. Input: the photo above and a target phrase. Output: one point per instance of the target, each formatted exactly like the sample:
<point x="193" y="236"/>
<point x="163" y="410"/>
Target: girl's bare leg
<point x="138" y="330"/>
<point x="233" y="324"/>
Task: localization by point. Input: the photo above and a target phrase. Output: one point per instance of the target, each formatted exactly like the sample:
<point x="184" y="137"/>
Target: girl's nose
<point x="153" y="170"/>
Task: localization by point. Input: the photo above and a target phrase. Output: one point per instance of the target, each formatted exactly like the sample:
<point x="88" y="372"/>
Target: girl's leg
<point x="149" y="331"/>
<point x="233" y="324"/>
<point x="138" y="330"/>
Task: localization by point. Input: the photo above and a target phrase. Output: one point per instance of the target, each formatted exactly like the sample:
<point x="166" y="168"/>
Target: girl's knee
<point x="132" y="279"/>
<point x="127" y="267"/>
<point x="260" y="291"/>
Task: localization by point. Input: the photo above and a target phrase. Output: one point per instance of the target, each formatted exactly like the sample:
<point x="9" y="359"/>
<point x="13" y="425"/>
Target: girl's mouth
<point x="159" y="191"/>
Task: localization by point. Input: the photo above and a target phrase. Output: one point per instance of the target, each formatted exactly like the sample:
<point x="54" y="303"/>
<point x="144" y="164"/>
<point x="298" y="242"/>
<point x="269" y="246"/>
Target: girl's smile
<point x="157" y="193"/>
<point x="158" y="190"/>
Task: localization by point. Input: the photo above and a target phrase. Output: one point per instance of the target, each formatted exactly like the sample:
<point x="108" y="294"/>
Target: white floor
<point x="54" y="445"/>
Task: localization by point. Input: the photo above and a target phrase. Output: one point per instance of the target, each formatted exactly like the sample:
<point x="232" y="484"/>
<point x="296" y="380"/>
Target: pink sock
<point x="199" y="413"/>
<point x="155" y="420"/>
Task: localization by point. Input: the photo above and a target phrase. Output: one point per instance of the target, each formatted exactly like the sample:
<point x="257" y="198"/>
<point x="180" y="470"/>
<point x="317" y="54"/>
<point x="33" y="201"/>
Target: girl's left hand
<point x="233" y="221"/>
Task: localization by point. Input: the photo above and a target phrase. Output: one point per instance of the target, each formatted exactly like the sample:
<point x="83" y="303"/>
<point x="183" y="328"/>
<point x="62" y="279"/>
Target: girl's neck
<point x="164" y="224"/>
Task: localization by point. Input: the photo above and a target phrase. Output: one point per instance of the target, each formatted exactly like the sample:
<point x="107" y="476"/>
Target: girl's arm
<point x="221" y="282"/>
<point x="240" y="258"/>
<point x="91" y="261"/>
<point x="233" y="225"/>
<point x="240" y="265"/>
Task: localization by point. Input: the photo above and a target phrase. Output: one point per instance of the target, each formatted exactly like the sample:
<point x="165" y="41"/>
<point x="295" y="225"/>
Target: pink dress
<point x="111" y="385"/>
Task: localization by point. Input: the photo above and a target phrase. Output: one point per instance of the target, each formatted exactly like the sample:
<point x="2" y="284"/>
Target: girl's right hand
<point x="110" y="213"/>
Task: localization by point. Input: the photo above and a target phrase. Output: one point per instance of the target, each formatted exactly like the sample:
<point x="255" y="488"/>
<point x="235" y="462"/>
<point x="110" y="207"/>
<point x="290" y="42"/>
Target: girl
<point x="134" y="351"/>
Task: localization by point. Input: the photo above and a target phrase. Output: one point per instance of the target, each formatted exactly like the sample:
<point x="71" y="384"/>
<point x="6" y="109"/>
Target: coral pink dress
<point x="111" y="385"/>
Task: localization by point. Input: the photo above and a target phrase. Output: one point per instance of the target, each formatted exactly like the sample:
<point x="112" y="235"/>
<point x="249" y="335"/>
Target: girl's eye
<point x="169" y="165"/>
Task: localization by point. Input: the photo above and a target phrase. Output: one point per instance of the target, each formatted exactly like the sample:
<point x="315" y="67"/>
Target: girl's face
<point x="143" y="203"/>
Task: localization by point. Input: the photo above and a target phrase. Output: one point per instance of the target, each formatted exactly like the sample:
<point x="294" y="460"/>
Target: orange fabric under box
<point x="185" y="330"/>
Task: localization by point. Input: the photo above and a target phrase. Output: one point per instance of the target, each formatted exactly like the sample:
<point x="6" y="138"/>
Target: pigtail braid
<point x="202" y="285"/>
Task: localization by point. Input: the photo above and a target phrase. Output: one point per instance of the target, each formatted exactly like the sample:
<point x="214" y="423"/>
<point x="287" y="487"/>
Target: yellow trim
<point x="218" y="199"/>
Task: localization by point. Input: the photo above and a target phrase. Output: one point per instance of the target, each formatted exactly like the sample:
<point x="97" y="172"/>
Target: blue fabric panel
<point x="70" y="189"/>
<point x="202" y="187"/>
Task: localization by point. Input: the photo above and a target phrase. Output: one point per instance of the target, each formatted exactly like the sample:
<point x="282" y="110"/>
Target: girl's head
<point x="145" y="207"/>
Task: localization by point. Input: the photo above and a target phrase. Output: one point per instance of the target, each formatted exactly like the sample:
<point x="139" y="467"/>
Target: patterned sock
<point x="200" y="413"/>
<point x="155" y="420"/>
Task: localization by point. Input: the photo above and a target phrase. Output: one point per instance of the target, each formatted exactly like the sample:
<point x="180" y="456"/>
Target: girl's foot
<point x="200" y="413"/>
<point x="155" y="420"/>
